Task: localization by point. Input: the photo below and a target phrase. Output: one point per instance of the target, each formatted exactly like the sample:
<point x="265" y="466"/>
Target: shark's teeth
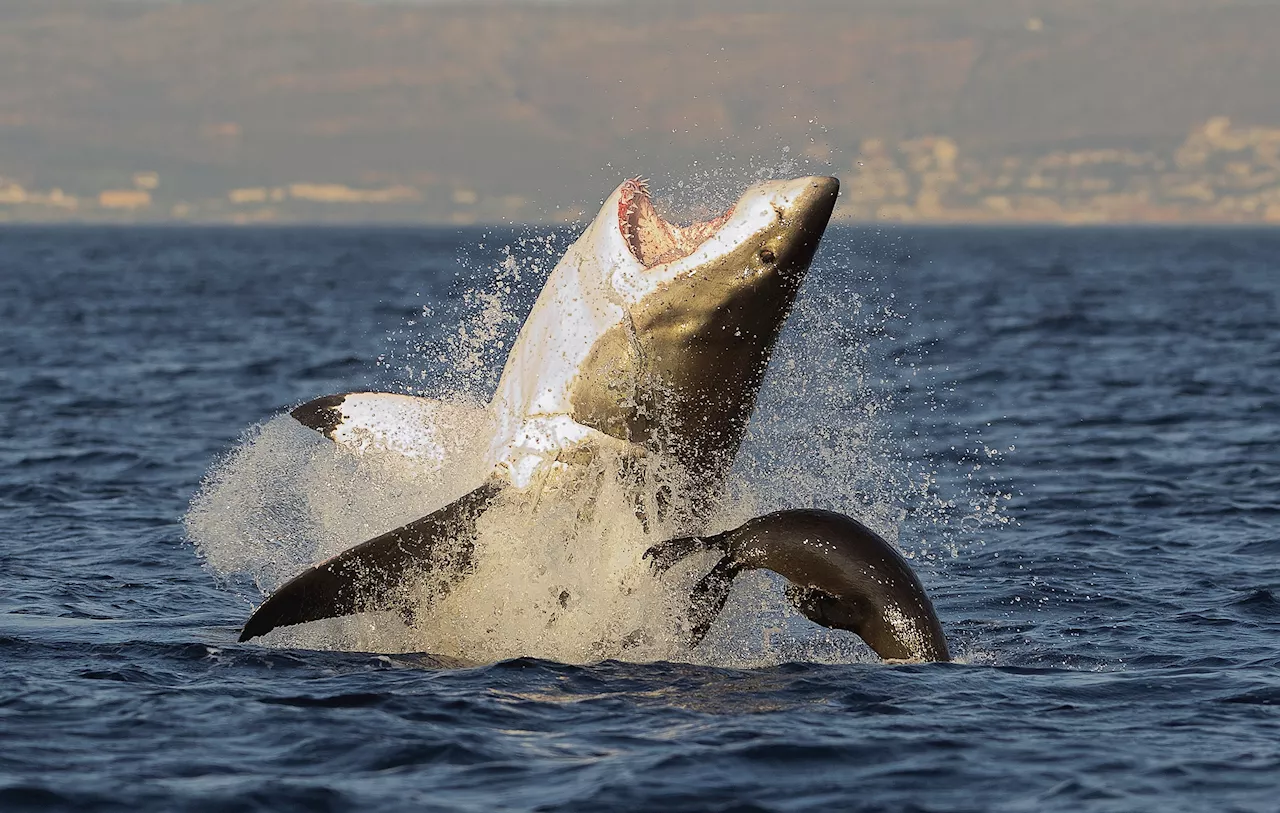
<point x="651" y="238"/>
<point x="638" y="185"/>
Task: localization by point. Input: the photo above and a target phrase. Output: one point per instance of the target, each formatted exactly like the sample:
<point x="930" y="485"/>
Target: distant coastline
<point x="1219" y="174"/>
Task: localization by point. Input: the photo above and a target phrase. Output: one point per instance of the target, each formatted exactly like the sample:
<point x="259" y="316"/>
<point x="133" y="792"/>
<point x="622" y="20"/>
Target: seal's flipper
<point x="665" y="555"/>
<point x="843" y="575"/>
<point x="709" y="597"/>
<point x="368" y="576"/>
<point x="421" y="428"/>
<point x="818" y="606"/>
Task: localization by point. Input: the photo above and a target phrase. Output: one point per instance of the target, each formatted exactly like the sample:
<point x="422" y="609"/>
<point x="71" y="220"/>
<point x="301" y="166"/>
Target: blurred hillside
<point x="247" y="110"/>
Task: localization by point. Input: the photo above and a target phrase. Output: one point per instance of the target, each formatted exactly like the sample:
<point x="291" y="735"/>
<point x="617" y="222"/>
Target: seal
<point x="648" y="342"/>
<point x="842" y="575"/>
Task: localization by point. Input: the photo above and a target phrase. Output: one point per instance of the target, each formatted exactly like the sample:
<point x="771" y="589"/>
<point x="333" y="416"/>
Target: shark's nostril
<point x="767" y="256"/>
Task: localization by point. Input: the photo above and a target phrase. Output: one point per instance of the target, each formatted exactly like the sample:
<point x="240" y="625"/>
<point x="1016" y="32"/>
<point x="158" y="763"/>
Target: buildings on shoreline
<point x="1218" y="174"/>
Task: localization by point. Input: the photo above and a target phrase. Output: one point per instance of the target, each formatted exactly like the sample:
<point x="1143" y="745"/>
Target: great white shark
<point x="649" y="342"/>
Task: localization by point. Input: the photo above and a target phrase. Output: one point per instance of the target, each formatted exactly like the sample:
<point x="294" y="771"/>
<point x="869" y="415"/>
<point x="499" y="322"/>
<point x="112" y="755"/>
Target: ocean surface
<point x="1075" y="433"/>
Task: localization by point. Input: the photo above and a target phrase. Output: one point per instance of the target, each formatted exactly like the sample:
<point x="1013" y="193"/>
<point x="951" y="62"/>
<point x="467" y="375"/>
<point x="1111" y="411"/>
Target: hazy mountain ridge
<point x="524" y="111"/>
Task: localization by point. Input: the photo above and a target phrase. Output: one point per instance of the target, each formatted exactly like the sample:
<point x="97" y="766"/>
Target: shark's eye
<point x="766" y="256"/>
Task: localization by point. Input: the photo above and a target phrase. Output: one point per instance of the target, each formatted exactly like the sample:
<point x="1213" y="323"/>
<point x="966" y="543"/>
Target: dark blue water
<point x="1121" y="625"/>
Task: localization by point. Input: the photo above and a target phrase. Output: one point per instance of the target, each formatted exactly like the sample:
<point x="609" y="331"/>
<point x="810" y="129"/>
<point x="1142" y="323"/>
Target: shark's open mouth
<point x="653" y="240"/>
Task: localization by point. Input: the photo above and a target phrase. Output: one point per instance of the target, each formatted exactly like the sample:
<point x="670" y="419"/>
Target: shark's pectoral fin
<point x="370" y="575"/>
<point x="421" y="428"/>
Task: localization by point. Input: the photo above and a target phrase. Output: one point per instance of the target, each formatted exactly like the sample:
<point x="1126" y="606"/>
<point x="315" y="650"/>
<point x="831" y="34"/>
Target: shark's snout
<point x="802" y="207"/>
<point x="816" y="200"/>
